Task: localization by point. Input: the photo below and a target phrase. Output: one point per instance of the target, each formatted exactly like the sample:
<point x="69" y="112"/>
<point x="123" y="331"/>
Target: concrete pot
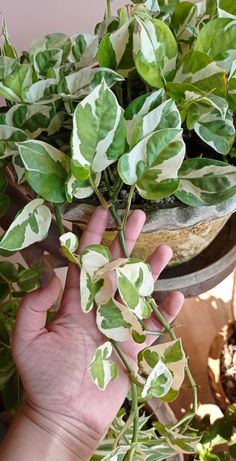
<point x="188" y="230"/>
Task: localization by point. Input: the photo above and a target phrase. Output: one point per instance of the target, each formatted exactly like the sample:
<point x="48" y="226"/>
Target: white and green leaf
<point x="80" y="189"/>
<point x="217" y="132"/>
<point x="12" y="87"/>
<point x="9" y="138"/>
<point x="51" y="41"/>
<point x="98" y="137"/>
<point x="31" y="118"/>
<point x="117" y="322"/>
<point x="84" y="49"/>
<point x="155" y="51"/>
<point x="182" y="443"/>
<point x="46" y="169"/>
<point x="69" y="244"/>
<point x="232" y="87"/>
<point x="43" y="91"/>
<point x="46" y="61"/>
<point x="206" y="182"/>
<point x="31" y="225"/>
<point x="103" y="370"/>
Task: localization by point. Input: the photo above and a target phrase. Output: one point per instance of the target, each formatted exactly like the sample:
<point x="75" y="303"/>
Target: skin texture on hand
<point x="53" y="361"/>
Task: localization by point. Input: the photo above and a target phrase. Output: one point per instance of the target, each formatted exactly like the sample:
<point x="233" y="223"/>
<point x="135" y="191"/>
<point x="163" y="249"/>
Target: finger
<point x="134" y="226"/>
<point x="170" y="308"/>
<point x="159" y="259"/>
<point x="92" y="235"/>
<point x="32" y="314"/>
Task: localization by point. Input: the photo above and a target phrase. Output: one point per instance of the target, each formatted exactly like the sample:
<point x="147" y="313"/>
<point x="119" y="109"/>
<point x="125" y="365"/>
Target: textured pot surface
<point x="188" y="230"/>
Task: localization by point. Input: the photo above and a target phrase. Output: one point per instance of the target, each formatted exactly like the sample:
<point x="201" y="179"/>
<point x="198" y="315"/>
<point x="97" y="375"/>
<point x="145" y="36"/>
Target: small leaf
<point x="29" y="278"/>
<point x="69" y="244"/>
<point x="181" y="443"/>
<point x="158" y="382"/>
<point x="9" y="138"/>
<point x="83" y="49"/>
<point x="29" y="226"/>
<point x="8" y="272"/>
<point x="102" y="370"/>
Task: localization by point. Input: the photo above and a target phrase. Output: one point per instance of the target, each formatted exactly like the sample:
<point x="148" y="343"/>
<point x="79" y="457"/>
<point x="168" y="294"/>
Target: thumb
<point x="32" y="315"/>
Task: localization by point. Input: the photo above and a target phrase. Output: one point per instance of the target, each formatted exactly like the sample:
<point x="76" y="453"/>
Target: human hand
<point x="53" y="360"/>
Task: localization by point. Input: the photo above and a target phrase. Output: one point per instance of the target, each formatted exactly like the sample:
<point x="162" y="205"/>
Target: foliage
<point x="92" y="114"/>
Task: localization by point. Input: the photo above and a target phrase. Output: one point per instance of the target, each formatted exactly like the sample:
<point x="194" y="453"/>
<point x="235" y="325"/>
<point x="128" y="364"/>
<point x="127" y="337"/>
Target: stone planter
<point x="188" y="230"/>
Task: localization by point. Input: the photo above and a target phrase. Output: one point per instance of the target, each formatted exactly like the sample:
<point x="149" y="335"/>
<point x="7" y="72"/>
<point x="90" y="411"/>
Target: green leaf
<point x="218" y="39"/>
<point x="102" y="370"/>
<point x="206" y="182"/>
<point x="116" y="49"/>
<point x="153" y="164"/>
<point x="45" y="60"/>
<point x="79" y="84"/>
<point x="69" y="244"/>
<point x="181" y="443"/>
<point x="9" y="137"/>
<point x="216" y="131"/>
<point x="51" y="41"/>
<point x="184" y="16"/>
<point x="4" y="291"/>
<point x="29" y="226"/>
<point x="7" y="66"/>
<point x="7" y="48"/>
<point x="140" y="107"/>
<point x="226" y="9"/>
<point x="84" y="49"/>
<point x="118" y="454"/>
<point x="44" y="91"/>
<point x="117" y="322"/>
<point x="200" y="70"/>
<point x="158" y="382"/>
<point x="4" y="204"/>
<point x="155" y="51"/>
<point x="4" y="337"/>
<point x="80" y="189"/>
<point x="8" y="272"/>
<point x="13" y="85"/>
<point x="29" y="278"/>
<point x="232" y="449"/>
<point x="98" y="138"/>
<point x="13" y="393"/>
<point x="46" y="169"/>
<point x="232" y="87"/>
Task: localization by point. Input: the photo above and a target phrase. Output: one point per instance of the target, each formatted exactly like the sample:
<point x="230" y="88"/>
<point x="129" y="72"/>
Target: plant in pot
<point x="139" y="113"/>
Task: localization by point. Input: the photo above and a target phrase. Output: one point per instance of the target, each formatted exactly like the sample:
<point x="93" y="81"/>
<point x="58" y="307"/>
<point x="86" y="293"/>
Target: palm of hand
<point x="53" y="361"/>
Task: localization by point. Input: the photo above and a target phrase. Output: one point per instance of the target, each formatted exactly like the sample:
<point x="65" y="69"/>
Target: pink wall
<point x="28" y="19"/>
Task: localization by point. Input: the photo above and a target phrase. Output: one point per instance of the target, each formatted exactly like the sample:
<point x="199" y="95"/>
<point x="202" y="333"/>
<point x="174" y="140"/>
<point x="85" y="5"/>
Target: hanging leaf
<point x="92" y="259"/>
<point x="218" y="39"/>
<point x="166" y="115"/>
<point x="153" y="164"/>
<point x="46" y="169"/>
<point x="135" y="281"/>
<point x="30" y="225"/>
<point x="140" y="107"/>
<point x="69" y="244"/>
<point x="117" y="322"/>
<point x="9" y="137"/>
<point x="102" y="370"/>
<point x="206" y="182"/>
<point x="81" y="83"/>
<point x="98" y="137"/>
<point x="116" y="49"/>
<point x="84" y="49"/>
<point x="155" y="51"/>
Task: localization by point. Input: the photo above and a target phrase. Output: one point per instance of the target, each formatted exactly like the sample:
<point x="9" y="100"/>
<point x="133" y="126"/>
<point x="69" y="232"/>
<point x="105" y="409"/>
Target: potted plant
<point x="142" y="109"/>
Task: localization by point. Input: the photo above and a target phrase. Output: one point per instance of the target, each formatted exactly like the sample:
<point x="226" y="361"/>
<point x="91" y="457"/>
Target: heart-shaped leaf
<point x="102" y="370"/>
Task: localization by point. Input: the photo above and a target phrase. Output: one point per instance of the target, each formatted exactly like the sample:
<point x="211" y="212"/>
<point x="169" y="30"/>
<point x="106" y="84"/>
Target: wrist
<point x="66" y="435"/>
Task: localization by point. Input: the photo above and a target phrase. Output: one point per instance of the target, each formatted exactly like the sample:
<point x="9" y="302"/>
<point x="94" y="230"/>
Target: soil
<point x="228" y="367"/>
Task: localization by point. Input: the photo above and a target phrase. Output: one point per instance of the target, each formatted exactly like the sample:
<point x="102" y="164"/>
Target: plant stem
<point x="126" y="363"/>
<point x="169" y="330"/>
<point x="59" y="220"/>
<point x="98" y="194"/>
<point x="108" y="9"/>
<point x="131" y="193"/>
<point x="135" y="412"/>
<point x="123" y="431"/>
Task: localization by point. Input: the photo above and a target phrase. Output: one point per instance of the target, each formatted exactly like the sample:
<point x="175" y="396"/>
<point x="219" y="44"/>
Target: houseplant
<point x="130" y="98"/>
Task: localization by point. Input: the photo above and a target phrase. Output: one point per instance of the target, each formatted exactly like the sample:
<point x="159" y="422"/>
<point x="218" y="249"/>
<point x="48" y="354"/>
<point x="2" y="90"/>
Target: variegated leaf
<point x="81" y="83"/>
<point x="107" y="26"/>
<point x="30" y="225"/>
<point x="84" y="49"/>
<point x="9" y="137"/>
<point x="31" y="118"/>
<point x="92" y="259"/>
<point x="232" y="87"/>
<point x="158" y="382"/>
<point x="155" y="51"/>
<point x="18" y="167"/>
<point x="135" y="281"/>
<point x="217" y="132"/>
<point x="153" y="164"/>
<point x="43" y="91"/>
<point x="45" y="61"/>
<point x="98" y="138"/>
<point x="166" y="115"/>
<point x="80" y="189"/>
<point x="118" y="454"/>
<point x="12" y="87"/>
<point x="117" y="322"/>
<point x="115" y="49"/>
<point x="218" y="39"/>
<point x="140" y="107"/>
<point x="206" y="182"/>
<point x="182" y="443"/>
<point x="51" y="41"/>
<point x="226" y="9"/>
<point x="7" y="48"/>
<point x="102" y="370"/>
<point x="157" y="450"/>
<point x="46" y="169"/>
<point x="69" y="244"/>
<point x="170" y="354"/>
<point x="200" y="70"/>
<point x="7" y="66"/>
<point x="183" y="19"/>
